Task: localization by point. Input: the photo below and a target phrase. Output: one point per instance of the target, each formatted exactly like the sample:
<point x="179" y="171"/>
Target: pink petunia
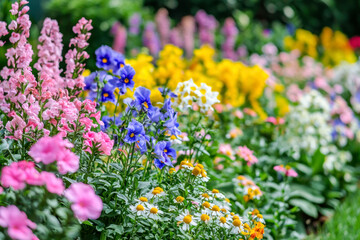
<point x="12" y="176"/>
<point x="53" y="184"/>
<point x="17" y="224"/>
<point x="85" y="203"/>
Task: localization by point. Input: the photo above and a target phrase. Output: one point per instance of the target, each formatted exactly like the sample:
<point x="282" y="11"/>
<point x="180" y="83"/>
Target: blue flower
<point x="104" y="57"/>
<point x="90" y="83"/>
<point x="107" y="120"/>
<point x="107" y="94"/>
<point x="163" y="152"/>
<point x="135" y="132"/>
<point x="118" y="61"/>
<point x="126" y="79"/>
<point x="166" y="91"/>
<point x="142" y="98"/>
<point x="141" y="144"/>
<point x="154" y="114"/>
<point x="172" y="125"/>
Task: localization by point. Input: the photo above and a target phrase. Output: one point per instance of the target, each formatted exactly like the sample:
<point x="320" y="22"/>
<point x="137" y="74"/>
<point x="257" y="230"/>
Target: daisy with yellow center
<point x="154" y="212"/>
<point x="156" y="192"/>
<point x="206" y="197"/>
<point x="236" y="226"/>
<point x="179" y="199"/>
<point x="216" y="193"/>
<point x="186" y="220"/>
<point x="186" y="165"/>
<point x="172" y="170"/>
<point x="223" y="222"/>
<point x="139" y="209"/>
<point x="203" y="216"/>
<point x="206" y="205"/>
<point x="215" y="210"/>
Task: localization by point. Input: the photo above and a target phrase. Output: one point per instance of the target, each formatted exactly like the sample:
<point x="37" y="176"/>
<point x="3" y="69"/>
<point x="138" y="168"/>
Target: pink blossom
<point x="53" y="184"/>
<point x="239" y="114"/>
<point x="246" y="154"/>
<point x="226" y="150"/>
<point x="68" y="162"/>
<point x="99" y="140"/>
<point x="12" y="176"/>
<point x="46" y="150"/>
<point x="17" y="224"/>
<point x="287" y="170"/>
<point x="85" y="203"/>
<point x="250" y="112"/>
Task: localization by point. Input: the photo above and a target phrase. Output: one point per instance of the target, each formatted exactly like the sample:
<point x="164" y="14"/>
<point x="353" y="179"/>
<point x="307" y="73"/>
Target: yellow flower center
<point x="205" y="217"/>
<point x="228" y="200"/>
<point x="235" y="217"/>
<point x="145" y="104"/>
<point x="237" y="223"/>
<point x="126" y="80"/>
<point x="200" y="166"/>
<point x="155" y="192"/>
<point x="105" y="94"/>
<point x="187" y="219"/>
<point x="215" y="191"/>
<point x="154" y="210"/>
<point x="179" y="199"/>
<point x="143" y="199"/>
<point x="205" y="195"/>
<point x="206" y="204"/>
<point x="132" y="135"/>
<point x="196" y="171"/>
<point x="173" y="137"/>
<point x="165" y="150"/>
<point x="223" y="210"/>
<point x="140" y="207"/>
<point x="259" y="216"/>
<point x="104" y="60"/>
<point x="172" y="170"/>
<point x="215" y="208"/>
<point x="223" y="219"/>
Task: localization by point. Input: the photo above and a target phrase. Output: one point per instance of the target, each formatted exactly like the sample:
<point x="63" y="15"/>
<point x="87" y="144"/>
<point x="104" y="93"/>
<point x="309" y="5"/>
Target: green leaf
<point x="305" y="206"/>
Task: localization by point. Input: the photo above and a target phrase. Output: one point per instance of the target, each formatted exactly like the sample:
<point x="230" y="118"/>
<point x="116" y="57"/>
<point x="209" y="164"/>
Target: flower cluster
<point x="247" y="188"/>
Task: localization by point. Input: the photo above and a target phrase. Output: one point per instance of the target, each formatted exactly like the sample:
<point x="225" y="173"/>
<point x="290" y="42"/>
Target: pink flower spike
<point x="85" y="203"/>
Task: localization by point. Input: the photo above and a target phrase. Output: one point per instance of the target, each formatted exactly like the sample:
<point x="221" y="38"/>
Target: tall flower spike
<point x="74" y="57"/>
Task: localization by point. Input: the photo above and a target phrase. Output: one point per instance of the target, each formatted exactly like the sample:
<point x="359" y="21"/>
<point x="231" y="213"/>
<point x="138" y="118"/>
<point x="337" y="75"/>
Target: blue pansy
<point x="166" y="91"/>
<point x="163" y="152"/>
<point x="107" y="94"/>
<point x="166" y="109"/>
<point x="126" y="79"/>
<point x="154" y="114"/>
<point x="118" y="61"/>
<point x="135" y="132"/>
<point x="172" y="125"/>
<point x="108" y="121"/>
<point x="91" y="84"/>
<point x="141" y="144"/>
<point x="104" y="57"/>
<point x="142" y="98"/>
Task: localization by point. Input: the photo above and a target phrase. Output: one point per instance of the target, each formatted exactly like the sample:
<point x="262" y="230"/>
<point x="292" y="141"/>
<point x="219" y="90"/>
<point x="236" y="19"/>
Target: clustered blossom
<point x="18" y="174"/>
<point x="189" y="93"/>
<point x="287" y="170"/>
<point x="17" y="223"/>
<point x="230" y="31"/>
<point x="207" y="25"/>
<point x="51" y="149"/>
<point x="246" y="154"/>
<point x="100" y="141"/>
<point x="248" y="188"/>
<point x="85" y="203"/>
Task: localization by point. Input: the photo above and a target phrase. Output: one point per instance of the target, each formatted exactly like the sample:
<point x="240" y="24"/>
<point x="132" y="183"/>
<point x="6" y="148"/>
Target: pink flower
<point x="53" y="184"/>
<point x="239" y="114"/>
<point x="17" y="224"/>
<point x="46" y="150"/>
<point x="226" y="150"/>
<point x="85" y="203"/>
<point x="100" y="140"/>
<point x="250" y="112"/>
<point x="12" y="176"/>
<point x="246" y="154"/>
<point x="287" y="170"/>
<point x="68" y="162"/>
<point x="275" y="121"/>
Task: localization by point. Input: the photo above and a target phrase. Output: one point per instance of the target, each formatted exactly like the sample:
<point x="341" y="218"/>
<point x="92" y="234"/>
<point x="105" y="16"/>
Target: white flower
<point x="186" y="220"/>
<point x="156" y="192"/>
<point x="139" y="209"/>
<point x="203" y="216"/>
<point x="223" y="221"/>
<point x="154" y="212"/>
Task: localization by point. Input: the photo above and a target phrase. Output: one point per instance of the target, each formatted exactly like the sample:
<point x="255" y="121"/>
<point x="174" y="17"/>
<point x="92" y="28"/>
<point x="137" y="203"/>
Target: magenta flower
<point x="287" y="170"/>
<point x="46" y="150"/>
<point x="12" y="176"/>
<point x="85" y="203"/>
<point x="53" y="184"/>
<point x="17" y="224"/>
<point x="246" y="154"/>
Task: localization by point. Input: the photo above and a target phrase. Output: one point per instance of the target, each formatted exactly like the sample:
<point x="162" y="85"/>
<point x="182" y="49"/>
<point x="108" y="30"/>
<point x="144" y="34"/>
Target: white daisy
<point x="156" y="192"/>
<point x="139" y="210"/>
<point x="186" y="220"/>
<point x="203" y="216"/>
<point x="154" y="212"/>
<point x="224" y="221"/>
<point x="236" y="226"/>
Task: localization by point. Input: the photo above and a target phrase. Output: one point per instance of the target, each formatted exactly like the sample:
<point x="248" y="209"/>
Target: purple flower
<point x="163" y="152"/>
<point x="104" y="57"/>
<point x="135" y="132"/>
<point x="142" y="98"/>
<point x="108" y="121"/>
<point x="154" y="114"/>
<point x="134" y="22"/>
<point x="126" y="79"/>
<point x="172" y="125"/>
<point x="90" y="83"/>
<point x="118" y="61"/>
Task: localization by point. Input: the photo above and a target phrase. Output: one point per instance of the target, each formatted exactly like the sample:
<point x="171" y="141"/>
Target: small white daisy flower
<point x="203" y="216"/>
<point x="223" y="221"/>
<point x="139" y="210"/>
<point x="154" y="212"/>
<point x="186" y="220"/>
